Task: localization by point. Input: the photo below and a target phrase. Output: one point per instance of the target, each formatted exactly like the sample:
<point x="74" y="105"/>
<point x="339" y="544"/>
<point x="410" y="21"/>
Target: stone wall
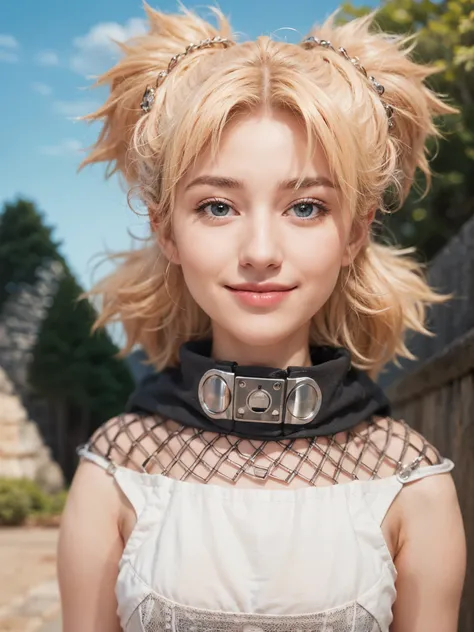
<point x="20" y="322"/>
<point x="22" y="451"/>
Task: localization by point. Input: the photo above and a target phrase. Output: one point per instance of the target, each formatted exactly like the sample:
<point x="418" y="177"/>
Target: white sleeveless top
<point x="207" y="558"/>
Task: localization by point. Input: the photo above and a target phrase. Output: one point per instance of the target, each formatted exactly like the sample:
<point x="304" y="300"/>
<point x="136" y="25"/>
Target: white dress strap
<point x="412" y="472"/>
<point x="383" y="493"/>
<point x="135" y="493"/>
<point x="106" y="464"/>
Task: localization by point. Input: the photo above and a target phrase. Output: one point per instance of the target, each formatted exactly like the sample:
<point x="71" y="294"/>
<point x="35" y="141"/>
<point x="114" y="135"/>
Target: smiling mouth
<point x="260" y="289"/>
<point x="260" y="296"/>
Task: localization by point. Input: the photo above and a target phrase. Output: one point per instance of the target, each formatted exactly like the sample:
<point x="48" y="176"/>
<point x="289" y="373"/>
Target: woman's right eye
<point x="215" y="209"/>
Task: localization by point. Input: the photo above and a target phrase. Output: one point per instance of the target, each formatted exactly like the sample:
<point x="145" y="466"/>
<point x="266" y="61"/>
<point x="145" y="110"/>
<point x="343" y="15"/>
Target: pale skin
<point x="264" y="231"/>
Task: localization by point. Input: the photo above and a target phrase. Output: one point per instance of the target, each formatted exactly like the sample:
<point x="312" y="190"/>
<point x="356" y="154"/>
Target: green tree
<point x="72" y="364"/>
<point x="76" y="372"/>
<point x="25" y="242"/>
<point x="445" y="37"/>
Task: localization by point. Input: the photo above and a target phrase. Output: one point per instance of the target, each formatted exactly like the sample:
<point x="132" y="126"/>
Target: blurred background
<point x="57" y="381"/>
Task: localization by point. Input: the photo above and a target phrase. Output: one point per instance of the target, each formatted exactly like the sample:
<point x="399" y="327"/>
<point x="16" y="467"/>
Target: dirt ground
<point x="29" y="597"/>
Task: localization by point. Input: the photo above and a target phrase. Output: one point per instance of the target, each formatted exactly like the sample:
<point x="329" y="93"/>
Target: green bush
<point x="39" y="501"/>
<point x="56" y="503"/>
<point x="21" y="498"/>
<point x="15" y="504"/>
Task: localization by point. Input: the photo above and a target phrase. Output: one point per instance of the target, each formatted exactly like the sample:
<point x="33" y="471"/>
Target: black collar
<point x="347" y="396"/>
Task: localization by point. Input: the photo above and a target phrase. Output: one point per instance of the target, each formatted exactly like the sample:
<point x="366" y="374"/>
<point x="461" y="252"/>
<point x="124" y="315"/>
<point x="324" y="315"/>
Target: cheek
<point x="320" y="255"/>
<point x="202" y="256"/>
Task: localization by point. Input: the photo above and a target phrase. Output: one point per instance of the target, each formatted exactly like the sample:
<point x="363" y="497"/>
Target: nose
<point x="260" y="246"/>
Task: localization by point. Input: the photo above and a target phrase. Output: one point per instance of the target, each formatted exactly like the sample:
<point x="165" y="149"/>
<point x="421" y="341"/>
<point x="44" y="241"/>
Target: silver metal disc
<point x="215" y="394"/>
<point x="303" y="401"/>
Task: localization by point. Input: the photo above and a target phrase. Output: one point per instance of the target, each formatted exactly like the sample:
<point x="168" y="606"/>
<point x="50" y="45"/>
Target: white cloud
<point x="42" y="88"/>
<point x="72" y="109"/>
<point x="8" y="41"/>
<point x="67" y="147"/>
<point x="96" y="50"/>
<point x="47" y="58"/>
<point x="7" y="56"/>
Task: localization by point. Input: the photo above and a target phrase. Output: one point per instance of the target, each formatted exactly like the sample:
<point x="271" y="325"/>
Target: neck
<point x="293" y="351"/>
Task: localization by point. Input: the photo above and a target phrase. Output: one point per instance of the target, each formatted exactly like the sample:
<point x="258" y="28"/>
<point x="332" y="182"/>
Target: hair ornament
<point x="149" y="94"/>
<point x="312" y="42"/>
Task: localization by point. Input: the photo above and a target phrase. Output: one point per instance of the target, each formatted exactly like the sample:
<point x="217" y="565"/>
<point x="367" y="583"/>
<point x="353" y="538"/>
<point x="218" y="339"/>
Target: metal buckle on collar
<point x="224" y="395"/>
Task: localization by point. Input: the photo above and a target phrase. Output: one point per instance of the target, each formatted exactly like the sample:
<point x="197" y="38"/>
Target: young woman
<point x="257" y="481"/>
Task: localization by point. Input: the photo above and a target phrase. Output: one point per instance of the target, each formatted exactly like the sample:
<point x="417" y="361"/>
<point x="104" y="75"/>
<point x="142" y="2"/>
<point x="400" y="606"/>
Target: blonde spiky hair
<point x="383" y="294"/>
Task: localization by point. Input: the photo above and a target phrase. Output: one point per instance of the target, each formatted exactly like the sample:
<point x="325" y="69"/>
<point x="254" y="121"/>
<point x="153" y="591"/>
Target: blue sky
<point x="49" y="50"/>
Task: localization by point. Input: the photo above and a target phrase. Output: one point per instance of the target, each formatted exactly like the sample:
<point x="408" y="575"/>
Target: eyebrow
<point x="293" y="183"/>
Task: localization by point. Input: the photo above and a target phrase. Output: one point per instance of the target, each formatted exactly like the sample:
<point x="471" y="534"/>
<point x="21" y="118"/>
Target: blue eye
<point x="308" y="209"/>
<point x="304" y="209"/>
<point x="215" y="209"/>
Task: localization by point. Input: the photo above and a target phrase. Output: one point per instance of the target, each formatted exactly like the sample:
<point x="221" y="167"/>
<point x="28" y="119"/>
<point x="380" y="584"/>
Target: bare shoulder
<point x="430" y="551"/>
<point x="90" y="543"/>
<point x="94" y="497"/>
<point x="428" y="502"/>
<point x="93" y="484"/>
<point x="427" y="496"/>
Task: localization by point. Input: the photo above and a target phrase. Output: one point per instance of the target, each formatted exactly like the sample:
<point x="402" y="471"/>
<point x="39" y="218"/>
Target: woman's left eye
<point x="308" y="209"/>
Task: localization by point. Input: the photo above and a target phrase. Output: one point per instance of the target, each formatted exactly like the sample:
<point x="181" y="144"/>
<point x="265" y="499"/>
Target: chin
<point x="263" y="333"/>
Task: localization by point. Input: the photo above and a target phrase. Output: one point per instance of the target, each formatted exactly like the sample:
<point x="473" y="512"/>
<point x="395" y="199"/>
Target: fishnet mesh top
<point x="211" y="557"/>
<point x="152" y="444"/>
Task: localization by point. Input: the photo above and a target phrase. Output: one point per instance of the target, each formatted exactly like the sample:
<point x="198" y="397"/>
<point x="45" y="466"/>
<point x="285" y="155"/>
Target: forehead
<point x="263" y="147"/>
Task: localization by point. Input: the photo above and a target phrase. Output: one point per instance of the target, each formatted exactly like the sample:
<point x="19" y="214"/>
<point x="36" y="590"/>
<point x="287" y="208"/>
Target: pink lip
<point x="263" y="295"/>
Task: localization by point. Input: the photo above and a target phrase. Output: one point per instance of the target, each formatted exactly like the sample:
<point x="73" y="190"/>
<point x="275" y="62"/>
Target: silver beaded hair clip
<point x="312" y="42"/>
<point x="149" y="95"/>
